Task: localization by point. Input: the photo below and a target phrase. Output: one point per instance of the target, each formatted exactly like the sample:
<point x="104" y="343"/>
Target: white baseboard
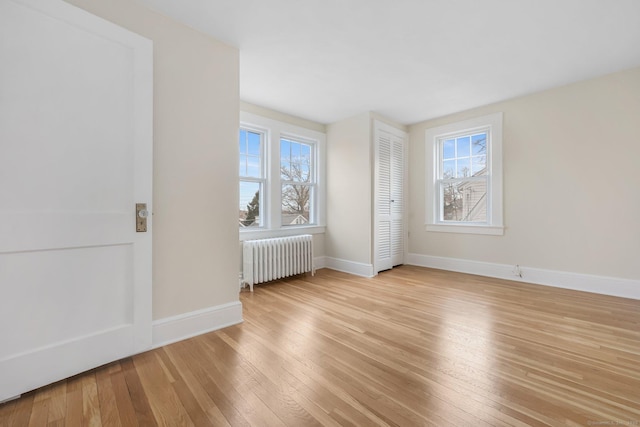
<point x="187" y="325"/>
<point x="357" y="268"/>
<point x="319" y="262"/>
<point x="626" y="288"/>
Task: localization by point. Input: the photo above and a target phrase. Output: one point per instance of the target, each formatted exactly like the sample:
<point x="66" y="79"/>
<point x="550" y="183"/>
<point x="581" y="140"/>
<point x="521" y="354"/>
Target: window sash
<point x="440" y="194"/>
<point x="310" y="183"/>
<point x="260" y="180"/>
<point x="260" y="156"/>
<point x="312" y="159"/>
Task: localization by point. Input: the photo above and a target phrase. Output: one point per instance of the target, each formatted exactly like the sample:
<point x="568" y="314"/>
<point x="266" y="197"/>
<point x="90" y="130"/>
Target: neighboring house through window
<point x="464" y="183"/>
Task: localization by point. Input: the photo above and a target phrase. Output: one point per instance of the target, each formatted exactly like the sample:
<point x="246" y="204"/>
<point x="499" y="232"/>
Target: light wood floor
<point x="410" y="347"/>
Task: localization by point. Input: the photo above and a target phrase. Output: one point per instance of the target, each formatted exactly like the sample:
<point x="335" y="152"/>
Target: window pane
<point x="449" y="149"/>
<point x="249" y="208"/>
<point x="295" y="151"/>
<point x="295" y="204"/>
<point x="479" y="164"/>
<point x="464" y="201"/>
<point x="285" y="150"/>
<point x="449" y="169"/>
<point x="464" y="168"/>
<point x="464" y="147"/>
<point x="254" y="143"/>
<point x="305" y="173"/>
<point x="243" y="165"/>
<point x="242" y="141"/>
<point x="479" y="144"/>
<point x="253" y="167"/>
<point x="285" y="171"/>
<point x="305" y="151"/>
<point x="295" y="161"/>
<point x="298" y="172"/>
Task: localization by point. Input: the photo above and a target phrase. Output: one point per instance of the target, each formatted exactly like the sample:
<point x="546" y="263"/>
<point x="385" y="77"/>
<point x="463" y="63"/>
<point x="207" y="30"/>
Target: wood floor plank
<point x="17" y="412"/>
<point x="57" y="403"/>
<point x="108" y="406"/>
<point x="239" y="408"/>
<point x="265" y="382"/>
<point x="126" y="411"/>
<point x="138" y="396"/>
<point x="409" y="347"/>
<point x="214" y="415"/>
<point x="73" y="413"/>
<point x="90" y="403"/>
<point x="39" y="413"/>
<point x="165" y="404"/>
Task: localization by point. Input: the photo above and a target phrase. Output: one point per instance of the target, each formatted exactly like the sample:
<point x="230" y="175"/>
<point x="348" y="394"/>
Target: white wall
<point x="283" y="117"/>
<point x="571" y="182"/>
<point x="349" y="186"/>
<point x="196" y="106"/>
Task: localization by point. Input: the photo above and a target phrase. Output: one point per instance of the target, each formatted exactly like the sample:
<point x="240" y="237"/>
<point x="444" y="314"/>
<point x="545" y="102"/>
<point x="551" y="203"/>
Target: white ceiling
<point x="411" y="60"/>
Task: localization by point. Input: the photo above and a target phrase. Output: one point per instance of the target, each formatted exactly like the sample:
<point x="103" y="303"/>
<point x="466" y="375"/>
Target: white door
<point x="390" y="240"/>
<point x="75" y="157"/>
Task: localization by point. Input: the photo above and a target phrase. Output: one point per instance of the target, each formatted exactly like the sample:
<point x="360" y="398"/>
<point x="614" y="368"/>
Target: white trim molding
<point x="466" y="229"/>
<point x="251" y="233"/>
<point x="613" y="286"/>
<point x="187" y="325"/>
<point x="352" y="267"/>
<point x="319" y="262"/>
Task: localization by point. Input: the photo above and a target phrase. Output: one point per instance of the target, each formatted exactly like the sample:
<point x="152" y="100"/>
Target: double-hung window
<point x="297" y="177"/>
<point x="464" y="186"/>
<point x="281" y="181"/>
<point x="252" y="177"/>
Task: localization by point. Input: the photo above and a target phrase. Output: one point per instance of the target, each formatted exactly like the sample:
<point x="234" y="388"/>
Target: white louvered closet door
<point x="389" y="197"/>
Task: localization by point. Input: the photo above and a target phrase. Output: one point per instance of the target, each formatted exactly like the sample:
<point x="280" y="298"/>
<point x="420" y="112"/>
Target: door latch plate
<point x="141" y="217"/>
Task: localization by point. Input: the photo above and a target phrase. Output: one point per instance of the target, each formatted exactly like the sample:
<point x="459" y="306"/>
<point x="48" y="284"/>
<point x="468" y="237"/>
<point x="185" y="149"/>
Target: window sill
<point x="280" y="232"/>
<point x="466" y="229"/>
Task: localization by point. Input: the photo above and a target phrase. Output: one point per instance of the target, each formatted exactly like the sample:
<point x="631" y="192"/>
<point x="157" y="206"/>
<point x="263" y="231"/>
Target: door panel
<point x="383" y="237"/>
<point x="397" y="200"/>
<point x="390" y="158"/>
<point x="75" y="157"/>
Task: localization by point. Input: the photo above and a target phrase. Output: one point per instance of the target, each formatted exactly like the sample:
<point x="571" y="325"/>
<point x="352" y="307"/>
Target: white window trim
<point x="274" y="130"/>
<point x="494" y="225"/>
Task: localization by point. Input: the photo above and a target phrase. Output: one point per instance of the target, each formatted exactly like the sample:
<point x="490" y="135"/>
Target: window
<point x="252" y="177"/>
<point x="297" y="181"/>
<point x="281" y="180"/>
<point x="464" y="188"/>
<point x="462" y="178"/>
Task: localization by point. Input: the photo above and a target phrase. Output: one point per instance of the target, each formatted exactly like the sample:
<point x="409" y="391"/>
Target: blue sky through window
<point x="464" y="156"/>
